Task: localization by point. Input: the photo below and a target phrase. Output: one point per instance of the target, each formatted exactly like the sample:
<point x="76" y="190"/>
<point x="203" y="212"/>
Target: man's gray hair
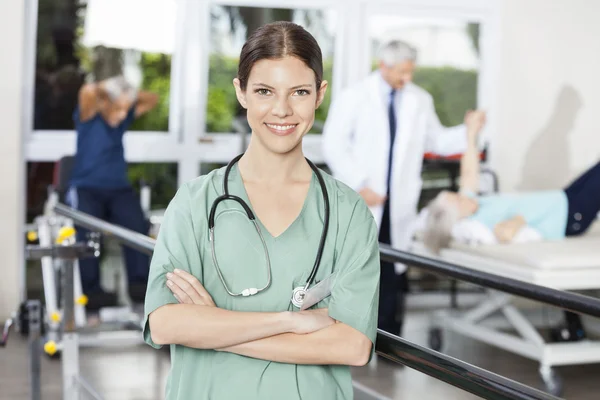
<point x="396" y="51"/>
<point x="117" y="86"/>
<point x="441" y="217"/>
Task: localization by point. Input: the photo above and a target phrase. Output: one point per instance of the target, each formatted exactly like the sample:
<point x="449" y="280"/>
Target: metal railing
<point x="128" y="237"/>
<point x="570" y="301"/>
<point x="455" y="372"/>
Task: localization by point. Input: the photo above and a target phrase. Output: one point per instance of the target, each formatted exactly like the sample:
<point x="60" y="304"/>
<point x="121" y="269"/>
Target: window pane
<point x="39" y="177"/>
<point x="82" y="41"/>
<point x="447" y="59"/>
<point x="230" y="27"/>
<point x="205" y="168"/>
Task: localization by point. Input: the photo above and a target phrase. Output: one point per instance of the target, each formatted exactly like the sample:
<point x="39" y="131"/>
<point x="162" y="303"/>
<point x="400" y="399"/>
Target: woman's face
<point x="280" y="98"/>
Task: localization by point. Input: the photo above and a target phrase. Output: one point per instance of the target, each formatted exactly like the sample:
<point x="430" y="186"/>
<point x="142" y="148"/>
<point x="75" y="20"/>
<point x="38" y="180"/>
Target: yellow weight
<point x="82" y="300"/>
<point x="32" y="236"/>
<point x="55" y="317"/>
<point x="50" y="347"/>
<point x="65" y="233"/>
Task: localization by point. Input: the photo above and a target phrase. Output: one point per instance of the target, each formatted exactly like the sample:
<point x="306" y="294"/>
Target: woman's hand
<point x="505" y="231"/>
<point x="187" y="289"/>
<point x="474" y="120"/>
<point x="309" y="321"/>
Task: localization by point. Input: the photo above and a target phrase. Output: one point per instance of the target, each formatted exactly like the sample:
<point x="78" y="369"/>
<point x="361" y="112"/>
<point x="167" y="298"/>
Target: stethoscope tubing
<point x="226" y="196"/>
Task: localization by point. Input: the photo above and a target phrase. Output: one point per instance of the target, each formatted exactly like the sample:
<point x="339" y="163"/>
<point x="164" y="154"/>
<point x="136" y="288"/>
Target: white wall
<point x="549" y="93"/>
<point x="11" y="159"/>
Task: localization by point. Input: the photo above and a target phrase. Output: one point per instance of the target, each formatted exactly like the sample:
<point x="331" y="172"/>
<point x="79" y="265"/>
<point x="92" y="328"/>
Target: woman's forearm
<point x="338" y="344"/>
<point x="469" y="166"/>
<point x="205" y="327"/>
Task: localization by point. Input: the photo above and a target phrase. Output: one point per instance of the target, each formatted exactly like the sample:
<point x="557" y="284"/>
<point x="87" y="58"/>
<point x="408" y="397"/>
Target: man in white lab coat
<point x="374" y="139"/>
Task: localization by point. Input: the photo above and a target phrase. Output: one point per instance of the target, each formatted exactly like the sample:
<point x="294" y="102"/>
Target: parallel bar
<point x="570" y="301"/>
<point x="455" y="372"/>
<point x="75" y="250"/>
<point x="128" y="237"/>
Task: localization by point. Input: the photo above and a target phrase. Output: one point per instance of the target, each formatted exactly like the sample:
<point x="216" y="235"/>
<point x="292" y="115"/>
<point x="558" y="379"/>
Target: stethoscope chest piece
<point x="298" y="296"/>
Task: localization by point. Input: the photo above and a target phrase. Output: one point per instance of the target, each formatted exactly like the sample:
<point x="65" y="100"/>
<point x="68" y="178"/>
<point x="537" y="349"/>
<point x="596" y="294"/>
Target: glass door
<point x="224" y="130"/>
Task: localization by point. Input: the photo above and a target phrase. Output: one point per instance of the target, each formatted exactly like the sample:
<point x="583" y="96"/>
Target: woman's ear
<point x="321" y="93"/>
<point x="239" y="93"/>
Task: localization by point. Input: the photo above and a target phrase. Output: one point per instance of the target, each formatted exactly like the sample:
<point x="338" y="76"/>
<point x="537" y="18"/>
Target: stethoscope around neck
<point x="298" y="292"/>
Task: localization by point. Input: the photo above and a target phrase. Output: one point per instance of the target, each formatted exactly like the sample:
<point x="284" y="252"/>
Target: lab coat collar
<point x="385" y="87"/>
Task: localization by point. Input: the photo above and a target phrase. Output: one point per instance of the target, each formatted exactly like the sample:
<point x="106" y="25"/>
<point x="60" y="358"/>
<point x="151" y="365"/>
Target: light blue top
<point x="544" y="211"/>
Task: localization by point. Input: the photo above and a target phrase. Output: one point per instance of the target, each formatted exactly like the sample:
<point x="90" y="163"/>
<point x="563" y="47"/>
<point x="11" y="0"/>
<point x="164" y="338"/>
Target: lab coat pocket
<point x="406" y="204"/>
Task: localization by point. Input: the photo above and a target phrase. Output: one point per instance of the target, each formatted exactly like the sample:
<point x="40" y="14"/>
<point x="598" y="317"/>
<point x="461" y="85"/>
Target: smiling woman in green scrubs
<point x="262" y="346"/>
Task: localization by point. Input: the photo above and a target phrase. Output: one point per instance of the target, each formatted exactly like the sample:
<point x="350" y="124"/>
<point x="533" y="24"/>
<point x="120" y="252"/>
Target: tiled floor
<point x="138" y="373"/>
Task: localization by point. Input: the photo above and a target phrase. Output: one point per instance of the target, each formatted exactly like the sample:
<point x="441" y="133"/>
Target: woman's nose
<point x="281" y="108"/>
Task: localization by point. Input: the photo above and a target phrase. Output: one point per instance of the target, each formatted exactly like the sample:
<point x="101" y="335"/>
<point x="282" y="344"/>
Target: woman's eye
<point x="263" y="92"/>
<point x="302" y="92"/>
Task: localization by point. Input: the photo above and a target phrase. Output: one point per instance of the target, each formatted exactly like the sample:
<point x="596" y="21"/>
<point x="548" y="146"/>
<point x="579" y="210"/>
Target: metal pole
<point x="70" y="351"/>
<point x="34" y="316"/>
<point x="68" y="295"/>
<point x="94" y="240"/>
<point x="48" y="275"/>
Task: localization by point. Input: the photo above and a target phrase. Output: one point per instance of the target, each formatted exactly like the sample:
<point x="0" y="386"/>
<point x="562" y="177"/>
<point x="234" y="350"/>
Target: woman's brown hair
<point x="277" y="40"/>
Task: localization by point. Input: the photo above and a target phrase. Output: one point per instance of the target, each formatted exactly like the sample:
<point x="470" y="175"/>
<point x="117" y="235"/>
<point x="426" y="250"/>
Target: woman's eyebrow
<point x="272" y="88"/>
<point x="301" y="86"/>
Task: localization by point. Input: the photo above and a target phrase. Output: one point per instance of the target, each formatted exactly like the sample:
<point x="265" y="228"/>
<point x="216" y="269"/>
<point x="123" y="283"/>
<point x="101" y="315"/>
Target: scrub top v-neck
<point x="236" y="180"/>
<point x="351" y="250"/>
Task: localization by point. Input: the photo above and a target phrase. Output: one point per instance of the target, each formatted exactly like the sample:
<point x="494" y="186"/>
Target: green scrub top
<point x="351" y="250"/>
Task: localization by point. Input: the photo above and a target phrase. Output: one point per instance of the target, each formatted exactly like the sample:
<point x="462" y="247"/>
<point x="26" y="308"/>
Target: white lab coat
<point x="356" y="144"/>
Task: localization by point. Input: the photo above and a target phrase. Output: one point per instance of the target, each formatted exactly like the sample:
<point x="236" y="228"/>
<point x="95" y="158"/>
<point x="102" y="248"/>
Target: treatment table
<point x="571" y="264"/>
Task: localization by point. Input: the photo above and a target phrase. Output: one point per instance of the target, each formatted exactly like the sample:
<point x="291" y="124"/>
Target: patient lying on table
<point x="518" y="217"/>
<point x="507" y="218"/>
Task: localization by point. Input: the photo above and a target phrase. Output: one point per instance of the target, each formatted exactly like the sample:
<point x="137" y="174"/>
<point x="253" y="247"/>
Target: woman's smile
<point x="282" y="129"/>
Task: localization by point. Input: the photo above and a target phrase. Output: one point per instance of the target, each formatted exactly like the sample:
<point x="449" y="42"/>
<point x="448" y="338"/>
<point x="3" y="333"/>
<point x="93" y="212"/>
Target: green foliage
<point x="162" y="178"/>
<point x="222" y="105"/>
<point x="157" y="78"/>
<point x="321" y="114"/>
<point x="474" y="32"/>
<point x="454" y="91"/>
